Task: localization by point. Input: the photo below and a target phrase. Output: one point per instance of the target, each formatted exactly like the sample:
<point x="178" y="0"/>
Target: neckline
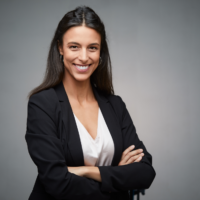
<point x="98" y="118"/>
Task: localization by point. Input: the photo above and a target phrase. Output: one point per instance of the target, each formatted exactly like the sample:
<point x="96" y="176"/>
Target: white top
<point x="98" y="151"/>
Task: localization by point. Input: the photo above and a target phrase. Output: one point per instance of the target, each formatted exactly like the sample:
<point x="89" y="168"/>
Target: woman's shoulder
<point x="118" y="105"/>
<point x="113" y="98"/>
<point x="46" y="99"/>
<point x="116" y="100"/>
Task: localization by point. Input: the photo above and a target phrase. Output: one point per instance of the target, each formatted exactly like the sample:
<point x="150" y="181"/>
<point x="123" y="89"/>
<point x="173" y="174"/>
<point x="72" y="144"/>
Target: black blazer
<point x="53" y="144"/>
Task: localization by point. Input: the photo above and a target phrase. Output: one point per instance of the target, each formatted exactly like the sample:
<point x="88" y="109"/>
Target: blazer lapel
<point x="69" y="122"/>
<point x="71" y="131"/>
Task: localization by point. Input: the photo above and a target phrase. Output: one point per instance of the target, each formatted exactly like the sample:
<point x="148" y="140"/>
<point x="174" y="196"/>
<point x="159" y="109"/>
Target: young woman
<point x="79" y="134"/>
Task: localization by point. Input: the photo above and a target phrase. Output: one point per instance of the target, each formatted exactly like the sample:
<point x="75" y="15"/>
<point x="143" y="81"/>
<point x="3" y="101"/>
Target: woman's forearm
<point x="86" y="171"/>
<point x="93" y="173"/>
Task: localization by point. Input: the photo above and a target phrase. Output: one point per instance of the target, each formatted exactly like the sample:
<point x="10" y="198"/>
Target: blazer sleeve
<point x="46" y="151"/>
<point x="138" y="175"/>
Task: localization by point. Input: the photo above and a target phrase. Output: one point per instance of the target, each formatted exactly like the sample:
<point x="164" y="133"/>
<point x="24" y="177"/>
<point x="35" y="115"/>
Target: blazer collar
<point x="73" y="139"/>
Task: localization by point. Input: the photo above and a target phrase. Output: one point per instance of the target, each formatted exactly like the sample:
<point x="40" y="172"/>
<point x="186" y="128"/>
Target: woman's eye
<point x="93" y="48"/>
<point x="73" y="47"/>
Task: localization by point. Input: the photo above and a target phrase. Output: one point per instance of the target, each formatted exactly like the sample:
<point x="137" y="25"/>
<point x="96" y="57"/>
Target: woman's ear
<point x="60" y="49"/>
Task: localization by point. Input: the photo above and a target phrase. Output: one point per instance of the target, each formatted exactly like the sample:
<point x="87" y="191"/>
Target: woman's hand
<point x="129" y="156"/>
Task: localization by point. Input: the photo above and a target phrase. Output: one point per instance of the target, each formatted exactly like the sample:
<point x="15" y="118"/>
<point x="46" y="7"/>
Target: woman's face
<point x="81" y="52"/>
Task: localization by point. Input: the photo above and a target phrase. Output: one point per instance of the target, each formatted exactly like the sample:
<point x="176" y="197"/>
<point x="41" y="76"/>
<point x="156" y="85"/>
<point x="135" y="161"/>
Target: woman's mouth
<point x="82" y="68"/>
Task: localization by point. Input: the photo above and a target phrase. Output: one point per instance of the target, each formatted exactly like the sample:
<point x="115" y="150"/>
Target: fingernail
<point x="132" y="146"/>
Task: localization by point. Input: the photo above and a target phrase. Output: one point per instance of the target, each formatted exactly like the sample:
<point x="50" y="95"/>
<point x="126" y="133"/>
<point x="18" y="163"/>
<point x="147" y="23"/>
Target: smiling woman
<point x="81" y="51"/>
<point x="80" y="35"/>
<point x="79" y="133"/>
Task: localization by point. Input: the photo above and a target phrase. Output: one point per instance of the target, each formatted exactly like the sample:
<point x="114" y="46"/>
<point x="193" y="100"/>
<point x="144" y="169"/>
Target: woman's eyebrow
<point x="73" y="43"/>
<point x="79" y="44"/>
<point x="95" y="44"/>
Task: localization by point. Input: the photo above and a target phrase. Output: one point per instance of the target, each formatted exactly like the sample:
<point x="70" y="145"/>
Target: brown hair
<point x="102" y="76"/>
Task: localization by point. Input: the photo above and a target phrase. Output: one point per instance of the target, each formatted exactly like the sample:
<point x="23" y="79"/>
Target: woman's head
<point x="82" y="20"/>
<point x="80" y="52"/>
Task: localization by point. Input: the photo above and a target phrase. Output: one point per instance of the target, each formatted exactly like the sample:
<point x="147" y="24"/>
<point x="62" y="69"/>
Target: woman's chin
<point x="81" y="78"/>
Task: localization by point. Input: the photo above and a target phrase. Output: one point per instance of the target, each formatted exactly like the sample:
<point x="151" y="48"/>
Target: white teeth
<point x="82" y="67"/>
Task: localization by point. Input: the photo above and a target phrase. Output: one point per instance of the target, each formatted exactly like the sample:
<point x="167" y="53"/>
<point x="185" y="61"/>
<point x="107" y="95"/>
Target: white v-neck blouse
<point x="98" y="151"/>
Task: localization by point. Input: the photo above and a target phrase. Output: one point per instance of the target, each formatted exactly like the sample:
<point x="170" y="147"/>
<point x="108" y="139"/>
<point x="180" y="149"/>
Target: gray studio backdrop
<point x="155" y="52"/>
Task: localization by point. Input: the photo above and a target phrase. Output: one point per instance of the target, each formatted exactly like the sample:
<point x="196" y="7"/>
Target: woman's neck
<point x="80" y="91"/>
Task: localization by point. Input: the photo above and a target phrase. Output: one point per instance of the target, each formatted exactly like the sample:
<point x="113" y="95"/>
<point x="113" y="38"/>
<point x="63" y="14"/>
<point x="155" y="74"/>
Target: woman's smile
<point x="82" y="68"/>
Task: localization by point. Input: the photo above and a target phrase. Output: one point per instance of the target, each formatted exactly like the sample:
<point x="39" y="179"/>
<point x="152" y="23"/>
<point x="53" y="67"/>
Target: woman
<point x="79" y="134"/>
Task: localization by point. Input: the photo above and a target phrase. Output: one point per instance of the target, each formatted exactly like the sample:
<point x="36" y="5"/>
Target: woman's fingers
<point x="127" y="151"/>
<point x="136" y="158"/>
<point x="139" y="159"/>
<point x="132" y="154"/>
<point x="129" y="156"/>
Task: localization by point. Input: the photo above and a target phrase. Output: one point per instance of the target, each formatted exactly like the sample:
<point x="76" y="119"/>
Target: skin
<point x="81" y="46"/>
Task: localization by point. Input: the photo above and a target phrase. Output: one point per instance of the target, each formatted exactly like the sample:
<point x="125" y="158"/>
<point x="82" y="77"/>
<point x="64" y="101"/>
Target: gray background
<point x="155" y="52"/>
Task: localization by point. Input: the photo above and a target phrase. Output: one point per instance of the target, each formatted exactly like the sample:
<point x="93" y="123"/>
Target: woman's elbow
<point x="149" y="176"/>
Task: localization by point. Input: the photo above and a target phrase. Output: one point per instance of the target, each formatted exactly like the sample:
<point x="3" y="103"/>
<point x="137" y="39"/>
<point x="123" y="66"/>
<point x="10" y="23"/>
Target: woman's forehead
<point x="82" y="34"/>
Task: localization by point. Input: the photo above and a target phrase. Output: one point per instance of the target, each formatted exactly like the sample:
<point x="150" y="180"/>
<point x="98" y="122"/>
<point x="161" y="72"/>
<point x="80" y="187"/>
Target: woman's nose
<point x="83" y="56"/>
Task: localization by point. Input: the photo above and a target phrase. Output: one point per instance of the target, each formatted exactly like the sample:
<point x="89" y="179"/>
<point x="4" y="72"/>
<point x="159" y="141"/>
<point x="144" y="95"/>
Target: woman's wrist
<point x="85" y="171"/>
<point x="92" y="172"/>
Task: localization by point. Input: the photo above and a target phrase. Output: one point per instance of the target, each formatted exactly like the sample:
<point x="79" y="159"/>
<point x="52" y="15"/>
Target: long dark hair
<point x="102" y="76"/>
